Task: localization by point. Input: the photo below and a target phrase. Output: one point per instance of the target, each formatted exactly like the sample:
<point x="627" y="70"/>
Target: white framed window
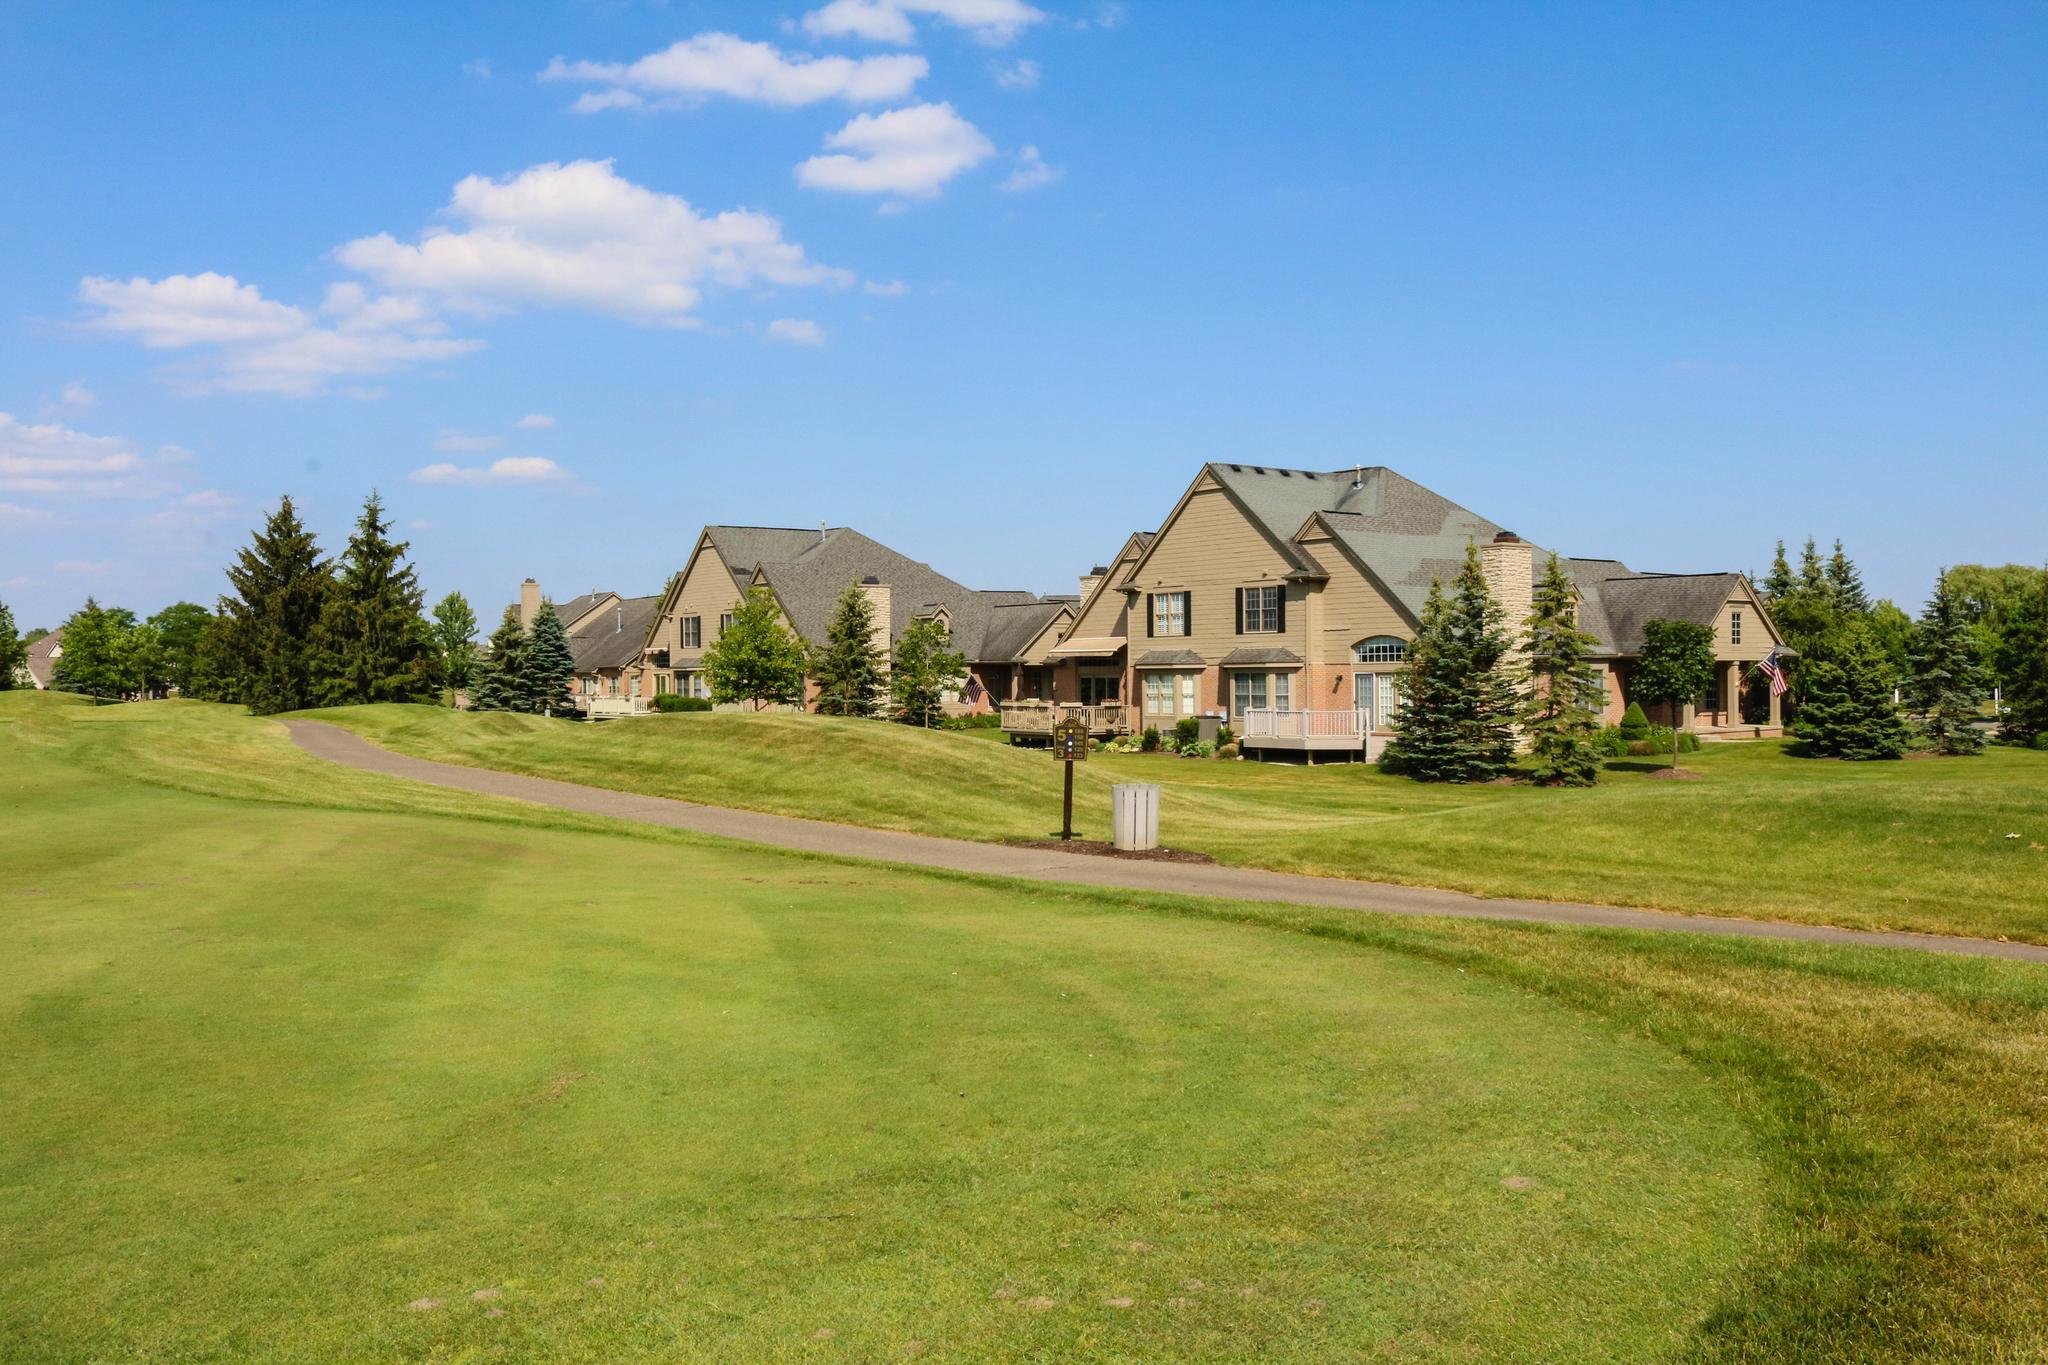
<point x="693" y="632"/>
<point x="1380" y="649"/>
<point x="1169" y="613"/>
<point x="1187" y="692"/>
<point x="1158" y="694"/>
<point x="1734" y="627"/>
<point x="1248" y="692"/>
<point x="724" y="622"/>
<point x="1260" y="610"/>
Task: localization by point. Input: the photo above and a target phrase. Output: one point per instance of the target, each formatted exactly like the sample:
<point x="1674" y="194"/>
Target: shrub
<point x="1224" y="738"/>
<point x="1232" y="751"/>
<point x="1198" y="748"/>
<point x="1659" y="742"/>
<point x="1186" y="731"/>
<point x="1150" y="743"/>
<point x="2040" y="742"/>
<point x="990" y="721"/>
<point x="670" y="701"/>
<point x="1123" y="744"/>
<point x="1609" y="743"/>
<point x="1634" y="724"/>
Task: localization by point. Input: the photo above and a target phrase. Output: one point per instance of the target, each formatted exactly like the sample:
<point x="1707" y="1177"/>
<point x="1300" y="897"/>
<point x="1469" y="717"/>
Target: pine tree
<point x="1849" y="711"/>
<point x="1813" y="574"/>
<point x="500" y="675"/>
<point x="849" y="668"/>
<point x="1778" y="583"/>
<point x="455" y="634"/>
<point x="1846" y="584"/>
<point x="756" y="659"/>
<point x="92" y="661"/>
<point x="550" y="665"/>
<point x="1947" y="682"/>
<point x="1675" y="666"/>
<point x="13" y="652"/>
<point x="1561" y="710"/>
<point x="279" y="582"/>
<point x="2023" y="664"/>
<point x="924" y="668"/>
<point x="1456" y="722"/>
<point x="373" y="644"/>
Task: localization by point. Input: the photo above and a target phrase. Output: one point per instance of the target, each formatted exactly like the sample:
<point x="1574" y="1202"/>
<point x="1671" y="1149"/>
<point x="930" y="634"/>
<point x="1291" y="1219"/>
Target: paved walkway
<point x="1188" y="879"/>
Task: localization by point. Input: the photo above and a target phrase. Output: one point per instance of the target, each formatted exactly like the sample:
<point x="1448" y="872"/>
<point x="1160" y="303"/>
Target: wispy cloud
<point x="55" y="460"/>
<point x="1031" y="172"/>
<point x="463" y="443"/>
<point x="1021" y="74"/>
<point x="512" y="470"/>
<point x="534" y="421"/>
<point x="796" y="332"/>
<point x="721" y="65"/>
<point x="994" y="22"/>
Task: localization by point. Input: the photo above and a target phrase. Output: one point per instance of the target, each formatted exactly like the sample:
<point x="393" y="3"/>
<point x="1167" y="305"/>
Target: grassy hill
<point x="1920" y="845"/>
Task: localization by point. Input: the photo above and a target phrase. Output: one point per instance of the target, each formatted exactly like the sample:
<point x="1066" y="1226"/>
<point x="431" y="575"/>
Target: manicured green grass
<point x="313" y="1066"/>
<point x="1919" y="845"/>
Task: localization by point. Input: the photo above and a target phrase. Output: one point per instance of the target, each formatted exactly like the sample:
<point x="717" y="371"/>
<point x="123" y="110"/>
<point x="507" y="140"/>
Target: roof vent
<point x="1237" y="469"/>
<point x="1258" y="469"/>
<point x="1286" y="473"/>
<point x="1506" y="538"/>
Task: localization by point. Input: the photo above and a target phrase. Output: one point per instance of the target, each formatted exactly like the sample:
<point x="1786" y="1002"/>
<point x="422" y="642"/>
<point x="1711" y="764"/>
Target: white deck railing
<point x="610" y="708"/>
<point x="1267" y="723"/>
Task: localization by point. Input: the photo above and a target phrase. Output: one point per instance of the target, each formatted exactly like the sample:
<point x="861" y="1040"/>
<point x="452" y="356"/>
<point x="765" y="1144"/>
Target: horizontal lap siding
<point x="1756" y="637"/>
<point x="1211" y="550"/>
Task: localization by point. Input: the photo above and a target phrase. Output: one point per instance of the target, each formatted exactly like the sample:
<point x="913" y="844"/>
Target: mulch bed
<point x="1673" y="774"/>
<point x="1102" y="849"/>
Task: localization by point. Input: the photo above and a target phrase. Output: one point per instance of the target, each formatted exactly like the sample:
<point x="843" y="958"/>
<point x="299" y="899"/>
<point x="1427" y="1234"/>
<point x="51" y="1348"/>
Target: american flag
<point x="1774" y="673"/>
<point x="974" y="691"/>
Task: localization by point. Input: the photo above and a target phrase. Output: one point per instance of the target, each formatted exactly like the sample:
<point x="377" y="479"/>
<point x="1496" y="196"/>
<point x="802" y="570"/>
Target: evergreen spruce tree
<point x="1813" y="573"/>
<point x="1849" y="711"/>
<point x="13" y="651"/>
<point x="756" y="659"/>
<point x="373" y="643"/>
<point x="1561" y="709"/>
<point x="2023" y="664"/>
<point x="924" y="668"/>
<point x="550" y="664"/>
<point x="1846" y="584"/>
<point x="455" y="634"/>
<point x="1456" y="722"/>
<point x="500" y="675"/>
<point x="1946" y="684"/>
<point x="849" y="668"/>
<point x="1675" y="666"/>
<point x="1778" y="583"/>
<point x="265" y="650"/>
<point x="92" y="662"/>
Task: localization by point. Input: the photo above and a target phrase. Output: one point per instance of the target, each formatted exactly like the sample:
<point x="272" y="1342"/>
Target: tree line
<point x="758" y="661"/>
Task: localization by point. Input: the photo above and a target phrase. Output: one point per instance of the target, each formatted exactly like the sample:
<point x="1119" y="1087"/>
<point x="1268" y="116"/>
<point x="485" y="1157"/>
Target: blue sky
<point x="989" y="279"/>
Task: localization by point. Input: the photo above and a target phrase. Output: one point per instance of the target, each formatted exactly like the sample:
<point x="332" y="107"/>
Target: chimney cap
<point x="1099" y="569"/>
<point x="871" y="579"/>
<point x="1506" y="538"/>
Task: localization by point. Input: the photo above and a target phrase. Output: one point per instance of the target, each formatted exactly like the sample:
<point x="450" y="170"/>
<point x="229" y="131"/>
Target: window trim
<point x="1359" y="654"/>
<point x="1245" y="611"/>
<point x="1155" y="603"/>
<point x="690" y="632"/>
<point x="1734" y="626"/>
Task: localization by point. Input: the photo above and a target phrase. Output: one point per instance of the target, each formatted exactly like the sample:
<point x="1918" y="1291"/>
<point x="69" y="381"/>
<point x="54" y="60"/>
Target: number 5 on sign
<point x="1070" y="746"/>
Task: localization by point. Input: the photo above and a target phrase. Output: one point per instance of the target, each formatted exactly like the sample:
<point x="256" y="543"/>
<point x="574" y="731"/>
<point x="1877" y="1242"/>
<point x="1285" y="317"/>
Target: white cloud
<point x="580" y="235"/>
<point x="534" y="421"/>
<point x="203" y="508"/>
<point x="78" y="397"/>
<point x="1021" y="74"/>
<point x="889" y="289"/>
<point x="258" y="345"/>
<point x="713" y="64"/>
<point x="462" y="443"/>
<point x="515" y="469"/>
<point x="52" y="459"/>
<point x="912" y="152"/>
<point x="13" y="514"/>
<point x="796" y="331"/>
<point x="477" y="68"/>
<point x="1031" y="172"/>
<point x="994" y="22"/>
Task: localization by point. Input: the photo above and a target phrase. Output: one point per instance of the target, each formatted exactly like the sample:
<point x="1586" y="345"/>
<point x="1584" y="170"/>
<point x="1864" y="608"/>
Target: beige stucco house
<point x="1282" y="601"/>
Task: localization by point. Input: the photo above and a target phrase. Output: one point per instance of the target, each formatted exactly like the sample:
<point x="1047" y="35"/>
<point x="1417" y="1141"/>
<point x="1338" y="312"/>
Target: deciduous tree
<point x="1675" y="666"/>
<point x="756" y="659"/>
<point x="924" y="668"/>
<point x="93" y="661"/>
<point x="2023" y="666"/>
<point x="455" y="634"/>
<point x="13" y="651"/>
<point x="180" y="628"/>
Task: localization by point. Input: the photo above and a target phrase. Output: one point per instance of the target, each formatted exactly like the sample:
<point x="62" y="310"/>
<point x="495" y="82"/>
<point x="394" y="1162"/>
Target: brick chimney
<point x="529" y="603"/>
<point x="1091" y="578"/>
<point x="878" y="597"/>
<point x="1508" y="563"/>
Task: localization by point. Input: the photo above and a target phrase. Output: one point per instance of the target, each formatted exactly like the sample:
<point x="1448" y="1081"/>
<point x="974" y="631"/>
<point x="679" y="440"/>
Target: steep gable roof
<point x="742" y="548"/>
<point x="42" y="658"/>
<point x="614" y="638"/>
<point x="1013" y="626"/>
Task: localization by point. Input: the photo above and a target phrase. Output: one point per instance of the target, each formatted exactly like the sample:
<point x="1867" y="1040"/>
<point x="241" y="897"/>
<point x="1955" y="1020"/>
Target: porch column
<point x="1016" y="680"/>
<point x="1687" y="715"/>
<point x="1777" y="712"/>
<point x="1731" y="695"/>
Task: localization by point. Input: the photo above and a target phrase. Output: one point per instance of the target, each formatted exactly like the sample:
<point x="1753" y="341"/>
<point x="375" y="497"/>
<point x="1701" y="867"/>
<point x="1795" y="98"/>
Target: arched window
<point x="1380" y="649"/>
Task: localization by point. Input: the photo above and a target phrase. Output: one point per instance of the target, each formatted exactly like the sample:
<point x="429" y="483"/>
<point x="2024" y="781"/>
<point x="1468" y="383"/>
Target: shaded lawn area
<point x="1918" y="845"/>
<point x="295" y="1080"/>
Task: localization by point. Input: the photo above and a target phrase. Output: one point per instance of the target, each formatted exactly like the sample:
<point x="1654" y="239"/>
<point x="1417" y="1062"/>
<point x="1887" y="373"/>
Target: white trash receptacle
<point x="1134" y="815"/>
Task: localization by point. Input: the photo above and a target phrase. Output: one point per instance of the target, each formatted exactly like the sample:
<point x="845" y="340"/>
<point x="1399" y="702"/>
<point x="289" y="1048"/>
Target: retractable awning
<point x="1086" y="647"/>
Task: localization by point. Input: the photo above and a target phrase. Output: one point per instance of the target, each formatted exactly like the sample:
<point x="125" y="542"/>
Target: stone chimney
<point x="878" y="597"/>
<point x="529" y="603"/>
<point x="1508" y="563"/>
<point x="1091" y="578"/>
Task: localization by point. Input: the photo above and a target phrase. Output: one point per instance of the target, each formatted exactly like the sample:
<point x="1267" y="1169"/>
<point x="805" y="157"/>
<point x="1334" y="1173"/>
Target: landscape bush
<point x="1186" y="731"/>
<point x="1150" y="743"/>
<point x="1197" y="748"/>
<point x="2040" y="742"/>
<point x="991" y="721"/>
<point x="670" y="701"/>
<point x="1610" y="743"/>
<point x="1227" y="750"/>
<point x="1659" y="742"/>
<point x="1225" y="736"/>
<point x="1634" y="724"/>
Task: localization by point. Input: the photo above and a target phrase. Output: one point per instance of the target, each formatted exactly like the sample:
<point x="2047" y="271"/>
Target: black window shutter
<point x="1240" y="611"/>
<point x="1187" y="613"/>
<point x="1148" y="615"/>
<point x="1280" y="609"/>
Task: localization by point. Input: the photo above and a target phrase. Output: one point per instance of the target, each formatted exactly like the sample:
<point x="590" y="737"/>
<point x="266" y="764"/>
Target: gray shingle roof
<point x="1012" y="626"/>
<point x="740" y="548"/>
<point x="579" y="605"/>
<point x="1628" y="603"/>
<point x="1170" y="658"/>
<point x="1241" y="658"/>
<point x="41" y="666"/>
<point x="613" y="639"/>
